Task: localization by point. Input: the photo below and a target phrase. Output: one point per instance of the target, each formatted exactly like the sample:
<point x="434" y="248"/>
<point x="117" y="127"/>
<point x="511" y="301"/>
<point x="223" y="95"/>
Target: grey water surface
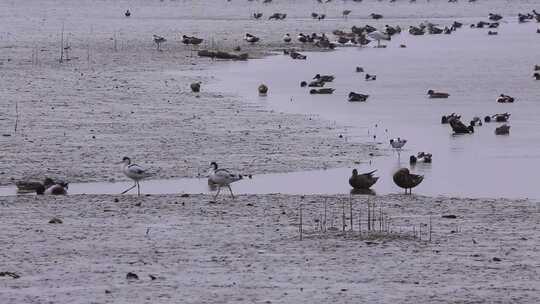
<point x="469" y="64"/>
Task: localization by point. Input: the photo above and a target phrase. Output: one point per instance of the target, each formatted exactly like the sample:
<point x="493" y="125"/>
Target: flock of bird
<point x="219" y="177"/>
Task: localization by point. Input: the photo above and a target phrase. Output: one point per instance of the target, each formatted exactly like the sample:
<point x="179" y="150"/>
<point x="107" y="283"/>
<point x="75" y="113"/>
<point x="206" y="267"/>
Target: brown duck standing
<point x="404" y="179"/>
<point x="362" y="181"/>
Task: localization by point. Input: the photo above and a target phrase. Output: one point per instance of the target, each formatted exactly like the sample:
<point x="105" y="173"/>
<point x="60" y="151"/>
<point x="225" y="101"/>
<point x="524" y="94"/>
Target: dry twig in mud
<point x="300" y="225"/>
<point x="16" y="115"/>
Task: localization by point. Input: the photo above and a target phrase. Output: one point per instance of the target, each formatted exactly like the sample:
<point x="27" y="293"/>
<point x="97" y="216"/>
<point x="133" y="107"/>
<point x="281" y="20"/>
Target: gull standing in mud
<point x="134" y="172"/>
<point x="222" y="178"/>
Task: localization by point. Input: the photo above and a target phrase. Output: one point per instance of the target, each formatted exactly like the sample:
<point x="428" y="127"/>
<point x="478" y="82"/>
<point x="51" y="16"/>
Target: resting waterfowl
<point x="287" y="38"/>
<point x="191" y="40"/>
<point x="536" y="76"/>
<point x="502" y="117"/>
<point x="357" y="97"/>
<point x="446" y="118"/>
<point x="492" y="33"/>
<point x="50" y="187"/>
<point x="251" y="38"/>
<point x="346" y="13"/>
<point x="257" y="15"/>
<point x="362" y="181"/>
<point x="416" y="31"/>
<point x="195" y="87"/>
<point x="296" y="55"/>
<point x="316" y="84"/>
<point x="460" y="128"/>
<point x="391" y="31"/>
<point x="303" y="38"/>
<point x="494" y="17"/>
<point x="433" y="94"/>
<point x="277" y="16"/>
<point x="505" y="99"/>
<point x="370" y="77"/>
<point x="27" y="186"/>
<point x="424" y="157"/>
<point x="404" y="179"/>
<point x="375" y="16"/>
<point x="322" y="91"/>
<point x="456" y="25"/>
<point x="359" y="70"/>
<point x="502" y="130"/>
<point x="476" y="121"/>
<point x="324" y="78"/>
<point x="263" y="89"/>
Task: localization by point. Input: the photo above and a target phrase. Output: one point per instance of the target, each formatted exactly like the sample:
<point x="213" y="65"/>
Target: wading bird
<point x="222" y="178"/>
<point x="134" y="172"/>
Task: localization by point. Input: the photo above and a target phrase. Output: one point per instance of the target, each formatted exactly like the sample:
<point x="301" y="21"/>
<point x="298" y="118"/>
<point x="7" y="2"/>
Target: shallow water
<point x="472" y="66"/>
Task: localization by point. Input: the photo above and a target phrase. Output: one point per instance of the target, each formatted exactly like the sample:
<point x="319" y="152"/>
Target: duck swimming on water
<point x="357" y="97"/>
<point x="505" y="99"/>
<point x="324" y="78"/>
<point x="433" y="94"/>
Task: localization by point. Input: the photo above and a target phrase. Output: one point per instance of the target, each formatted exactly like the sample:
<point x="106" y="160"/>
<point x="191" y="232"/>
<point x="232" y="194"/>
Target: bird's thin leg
<point x="138" y="189"/>
<point x="229" y="186"/>
<point x="217" y="193"/>
<point x="125" y="191"/>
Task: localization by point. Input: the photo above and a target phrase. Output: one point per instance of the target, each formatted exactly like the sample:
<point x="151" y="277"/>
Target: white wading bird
<point x="222" y="178"/>
<point x="134" y="172"/>
<point x="378" y="35"/>
<point x="397" y="144"/>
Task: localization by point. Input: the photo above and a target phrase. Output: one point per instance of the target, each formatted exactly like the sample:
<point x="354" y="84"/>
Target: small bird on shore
<point x="222" y="178"/>
<point x="404" y="179"/>
<point x="134" y="172"/>
<point x="127" y="13"/>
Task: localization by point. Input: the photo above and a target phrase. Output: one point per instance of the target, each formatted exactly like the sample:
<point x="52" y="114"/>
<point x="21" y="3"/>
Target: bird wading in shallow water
<point x="134" y="172"/>
<point x="222" y="178"/>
